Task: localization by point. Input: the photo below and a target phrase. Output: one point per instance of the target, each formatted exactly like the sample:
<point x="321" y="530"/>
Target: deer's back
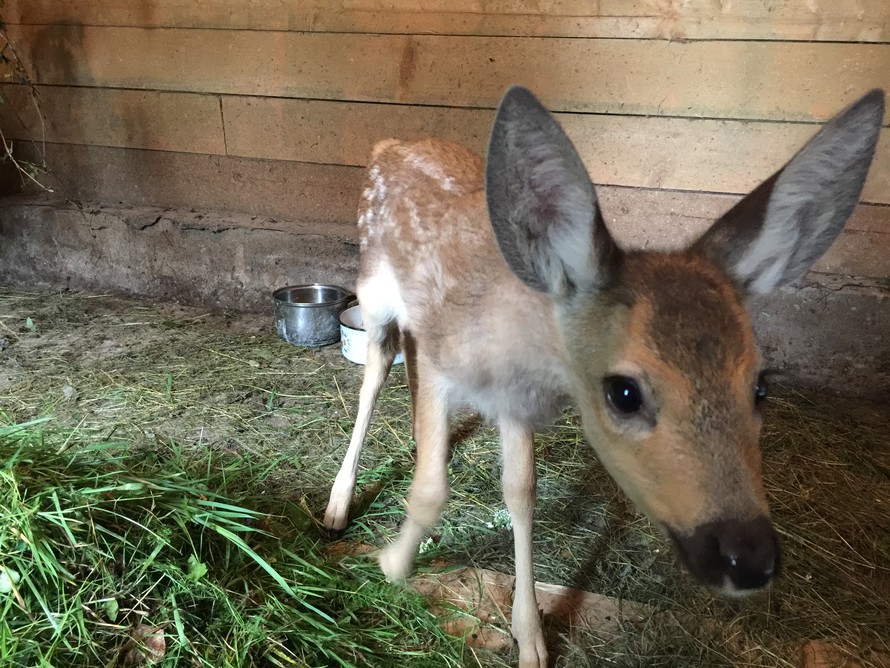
<point x="429" y="249"/>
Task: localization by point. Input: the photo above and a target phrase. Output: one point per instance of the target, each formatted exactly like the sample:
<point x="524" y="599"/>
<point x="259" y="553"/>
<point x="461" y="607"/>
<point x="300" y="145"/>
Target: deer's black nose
<point x="731" y="555"/>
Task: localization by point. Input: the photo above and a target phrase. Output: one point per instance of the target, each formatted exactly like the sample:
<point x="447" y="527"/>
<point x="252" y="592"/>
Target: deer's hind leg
<point x="383" y="345"/>
<point x="429" y="489"/>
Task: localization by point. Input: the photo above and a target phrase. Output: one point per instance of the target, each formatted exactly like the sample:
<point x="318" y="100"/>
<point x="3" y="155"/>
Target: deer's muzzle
<point x="733" y="556"/>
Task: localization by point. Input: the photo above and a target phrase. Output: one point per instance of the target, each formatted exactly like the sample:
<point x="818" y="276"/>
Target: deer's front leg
<point x="519" y="482"/>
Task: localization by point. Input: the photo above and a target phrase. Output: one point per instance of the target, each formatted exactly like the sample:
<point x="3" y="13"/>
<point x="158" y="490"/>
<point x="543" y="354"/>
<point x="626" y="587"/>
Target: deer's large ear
<point x="777" y="232"/>
<point x="542" y="203"/>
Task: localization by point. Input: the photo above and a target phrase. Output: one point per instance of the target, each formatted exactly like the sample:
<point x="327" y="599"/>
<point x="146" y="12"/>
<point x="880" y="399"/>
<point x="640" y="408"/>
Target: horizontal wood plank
<point x="327" y="196"/>
<point x="833" y="20"/>
<point x="672" y="153"/>
<point x="341" y="133"/>
<point x="748" y="80"/>
<point x="648" y="152"/>
<point x="162" y="121"/>
<point x="301" y="192"/>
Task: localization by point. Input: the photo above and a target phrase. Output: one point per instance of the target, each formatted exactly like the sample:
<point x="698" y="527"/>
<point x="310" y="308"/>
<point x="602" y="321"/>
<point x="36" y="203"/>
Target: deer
<point x="503" y="286"/>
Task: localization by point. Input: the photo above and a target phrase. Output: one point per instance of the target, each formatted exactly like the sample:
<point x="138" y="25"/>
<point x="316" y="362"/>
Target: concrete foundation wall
<point x="829" y="331"/>
<point x="223" y="261"/>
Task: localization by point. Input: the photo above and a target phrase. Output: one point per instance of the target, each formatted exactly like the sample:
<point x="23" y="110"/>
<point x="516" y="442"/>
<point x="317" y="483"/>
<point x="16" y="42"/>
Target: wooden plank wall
<point x="271" y="107"/>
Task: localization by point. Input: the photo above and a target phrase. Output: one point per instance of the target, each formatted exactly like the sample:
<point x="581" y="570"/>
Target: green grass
<point x="217" y="403"/>
<point x="112" y="554"/>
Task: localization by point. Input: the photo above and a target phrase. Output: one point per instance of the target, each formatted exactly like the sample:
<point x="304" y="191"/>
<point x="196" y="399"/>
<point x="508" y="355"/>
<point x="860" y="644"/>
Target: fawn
<point x="507" y="292"/>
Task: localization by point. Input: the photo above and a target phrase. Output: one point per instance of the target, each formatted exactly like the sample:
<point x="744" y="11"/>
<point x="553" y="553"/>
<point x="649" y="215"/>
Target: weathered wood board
<point x="830" y="20"/>
<point x="651" y="152"/>
<point x="801" y="81"/>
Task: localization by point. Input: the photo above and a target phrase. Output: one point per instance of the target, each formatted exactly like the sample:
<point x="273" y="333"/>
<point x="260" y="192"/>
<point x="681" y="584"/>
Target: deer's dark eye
<point x="623" y="394"/>
<point x="760" y="391"/>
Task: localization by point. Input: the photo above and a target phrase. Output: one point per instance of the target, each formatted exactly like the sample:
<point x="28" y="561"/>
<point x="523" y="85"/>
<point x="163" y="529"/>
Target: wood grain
<point x="830" y="20"/>
<point x="162" y="121"/>
<point x="646" y="152"/>
<point x="746" y="80"/>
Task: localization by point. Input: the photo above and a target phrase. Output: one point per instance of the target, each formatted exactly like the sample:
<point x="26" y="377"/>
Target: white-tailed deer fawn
<point x="509" y="294"/>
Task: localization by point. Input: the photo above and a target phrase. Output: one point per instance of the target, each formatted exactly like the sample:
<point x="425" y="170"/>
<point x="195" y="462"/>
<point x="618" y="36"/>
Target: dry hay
<point x="155" y="374"/>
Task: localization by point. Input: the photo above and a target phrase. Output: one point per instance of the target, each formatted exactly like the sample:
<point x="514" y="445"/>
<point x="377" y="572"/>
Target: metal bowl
<point x="308" y="315"/>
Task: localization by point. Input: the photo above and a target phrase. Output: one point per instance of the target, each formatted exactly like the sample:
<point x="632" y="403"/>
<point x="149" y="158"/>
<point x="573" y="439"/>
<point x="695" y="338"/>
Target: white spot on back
<point x="433" y="170"/>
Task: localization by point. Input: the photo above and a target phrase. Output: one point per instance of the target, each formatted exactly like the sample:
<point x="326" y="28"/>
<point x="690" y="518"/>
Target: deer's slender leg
<point x="382" y="349"/>
<point x="519" y="481"/>
<point x="429" y="489"/>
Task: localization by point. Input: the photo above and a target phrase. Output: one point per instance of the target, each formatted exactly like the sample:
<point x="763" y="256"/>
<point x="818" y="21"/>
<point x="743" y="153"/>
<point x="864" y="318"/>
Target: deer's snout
<point x="733" y="556"/>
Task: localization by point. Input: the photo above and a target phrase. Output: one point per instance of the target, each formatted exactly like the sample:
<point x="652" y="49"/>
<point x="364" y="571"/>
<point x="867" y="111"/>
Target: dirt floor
<point x="161" y="373"/>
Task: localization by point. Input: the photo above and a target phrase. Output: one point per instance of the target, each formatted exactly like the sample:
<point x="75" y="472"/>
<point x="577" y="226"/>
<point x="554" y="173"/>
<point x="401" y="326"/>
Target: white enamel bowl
<point x="354" y="338"/>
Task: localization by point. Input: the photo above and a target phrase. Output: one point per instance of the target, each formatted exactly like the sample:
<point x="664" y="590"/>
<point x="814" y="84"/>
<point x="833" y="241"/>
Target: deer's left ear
<point x="778" y="231"/>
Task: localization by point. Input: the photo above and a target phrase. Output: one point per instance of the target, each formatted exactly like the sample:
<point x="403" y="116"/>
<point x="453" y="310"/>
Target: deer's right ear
<point x="541" y="202"/>
<point x="773" y="235"/>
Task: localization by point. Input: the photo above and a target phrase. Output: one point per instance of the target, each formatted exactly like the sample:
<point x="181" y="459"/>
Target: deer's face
<point x="671" y="400"/>
<point x="660" y="346"/>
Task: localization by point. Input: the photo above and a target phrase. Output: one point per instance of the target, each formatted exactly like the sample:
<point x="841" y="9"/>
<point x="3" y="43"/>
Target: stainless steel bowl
<point x="308" y="315"/>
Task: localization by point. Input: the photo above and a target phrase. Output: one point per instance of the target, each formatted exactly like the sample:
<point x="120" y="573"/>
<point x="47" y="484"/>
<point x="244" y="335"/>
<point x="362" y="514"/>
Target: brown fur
<point x="516" y="313"/>
<point x="689" y="336"/>
<point x="485" y="339"/>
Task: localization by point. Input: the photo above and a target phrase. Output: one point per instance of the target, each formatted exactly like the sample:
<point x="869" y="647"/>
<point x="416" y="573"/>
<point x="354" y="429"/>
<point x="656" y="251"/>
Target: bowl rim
<point x="347" y="326"/>
<point x="347" y="295"/>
